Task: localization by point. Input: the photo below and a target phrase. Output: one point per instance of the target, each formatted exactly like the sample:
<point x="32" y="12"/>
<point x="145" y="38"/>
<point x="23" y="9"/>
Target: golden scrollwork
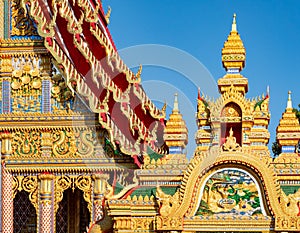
<point x="85" y="147"/>
<point x="26" y="144"/>
<point x="82" y="182"/>
<point x="62" y="183"/>
<point x="28" y="184"/>
<point x="16" y="184"/>
<point x="64" y="144"/>
<point x="22" y="23"/>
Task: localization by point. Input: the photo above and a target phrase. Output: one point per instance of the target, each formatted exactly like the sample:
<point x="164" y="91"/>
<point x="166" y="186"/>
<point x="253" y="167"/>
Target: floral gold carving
<point x="26" y="144"/>
<point x="26" y="84"/>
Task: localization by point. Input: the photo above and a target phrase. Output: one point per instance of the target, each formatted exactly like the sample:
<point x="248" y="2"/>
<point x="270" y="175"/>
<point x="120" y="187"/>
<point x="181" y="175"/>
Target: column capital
<point x="6" y="143"/>
<point x="46" y="176"/>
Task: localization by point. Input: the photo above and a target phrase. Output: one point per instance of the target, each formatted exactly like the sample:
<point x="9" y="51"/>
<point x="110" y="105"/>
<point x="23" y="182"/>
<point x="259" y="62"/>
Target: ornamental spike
<point x="268" y="91"/>
<point x="233" y="27"/>
<point x="107" y="16"/>
<point x="289" y="102"/>
<point x="176" y="108"/>
<point x="139" y="72"/>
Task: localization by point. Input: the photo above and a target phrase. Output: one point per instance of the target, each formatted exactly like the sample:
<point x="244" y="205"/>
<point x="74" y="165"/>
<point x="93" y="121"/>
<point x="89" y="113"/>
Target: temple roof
<point x="90" y="62"/>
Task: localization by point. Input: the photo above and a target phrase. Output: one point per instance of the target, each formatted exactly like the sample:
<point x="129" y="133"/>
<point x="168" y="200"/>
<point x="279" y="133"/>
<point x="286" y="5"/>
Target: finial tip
<point x="176" y="108"/>
<point x="233" y="28"/>
<point x="289" y="102"/>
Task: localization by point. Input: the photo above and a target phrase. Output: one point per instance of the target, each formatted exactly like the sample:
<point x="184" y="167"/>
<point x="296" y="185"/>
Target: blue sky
<point x="269" y="29"/>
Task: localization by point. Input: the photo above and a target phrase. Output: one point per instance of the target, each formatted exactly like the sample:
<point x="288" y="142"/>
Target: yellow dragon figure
<point x="168" y="203"/>
<point x="291" y="203"/>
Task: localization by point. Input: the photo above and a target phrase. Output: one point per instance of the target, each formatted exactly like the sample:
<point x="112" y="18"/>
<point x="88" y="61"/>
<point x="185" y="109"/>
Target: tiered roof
<point x="77" y="36"/>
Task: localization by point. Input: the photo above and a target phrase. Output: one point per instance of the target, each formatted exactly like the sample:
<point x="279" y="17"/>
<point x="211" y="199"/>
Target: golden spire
<point x="233" y="52"/>
<point x="233" y="60"/>
<point x="289" y="104"/>
<point x="288" y="130"/>
<point x="176" y="133"/>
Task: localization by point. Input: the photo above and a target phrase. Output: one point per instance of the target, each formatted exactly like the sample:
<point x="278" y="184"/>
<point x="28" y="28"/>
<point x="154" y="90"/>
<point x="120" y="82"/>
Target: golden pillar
<point x="100" y="183"/>
<point x="46" y="202"/>
<point x="7" y="203"/>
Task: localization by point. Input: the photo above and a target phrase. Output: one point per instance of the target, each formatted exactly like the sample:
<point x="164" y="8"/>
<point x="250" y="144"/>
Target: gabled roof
<point x="77" y="36"/>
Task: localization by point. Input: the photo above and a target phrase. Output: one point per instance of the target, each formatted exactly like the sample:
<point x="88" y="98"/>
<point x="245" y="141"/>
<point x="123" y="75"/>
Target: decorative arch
<point x="234" y="96"/>
<point x="204" y="164"/>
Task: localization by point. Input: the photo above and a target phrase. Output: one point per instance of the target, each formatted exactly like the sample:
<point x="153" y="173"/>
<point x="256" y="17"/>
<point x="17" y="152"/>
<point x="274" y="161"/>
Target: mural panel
<point x="230" y="191"/>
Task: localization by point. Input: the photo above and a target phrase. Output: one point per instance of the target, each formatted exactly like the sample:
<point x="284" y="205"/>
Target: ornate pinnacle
<point x="176" y="108"/>
<point x="233" y="27"/>
<point x="289" y="102"/>
<point x="176" y="133"/>
<point x="233" y="52"/>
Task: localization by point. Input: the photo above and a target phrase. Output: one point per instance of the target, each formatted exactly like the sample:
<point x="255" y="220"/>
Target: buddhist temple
<point x="85" y="150"/>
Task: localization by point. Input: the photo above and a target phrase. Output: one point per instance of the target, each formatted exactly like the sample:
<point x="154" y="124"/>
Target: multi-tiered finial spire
<point x="176" y="133"/>
<point x="233" y="52"/>
<point x="288" y="130"/>
<point x="233" y="59"/>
